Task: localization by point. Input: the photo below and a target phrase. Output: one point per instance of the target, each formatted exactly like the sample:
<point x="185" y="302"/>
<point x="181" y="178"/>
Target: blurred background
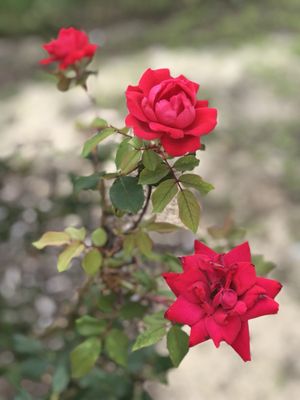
<point x="246" y="57"/>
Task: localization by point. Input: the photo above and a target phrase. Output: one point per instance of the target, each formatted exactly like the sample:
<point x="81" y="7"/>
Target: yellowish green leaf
<point x="52" y="239"/>
<point x="70" y="252"/>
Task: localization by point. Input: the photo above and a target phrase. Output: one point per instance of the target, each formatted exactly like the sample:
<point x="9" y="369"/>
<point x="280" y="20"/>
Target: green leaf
<point x="99" y="123"/>
<point x="116" y="345"/>
<point x="127" y="156"/>
<point x="151" y="160"/>
<point x="60" y="379"/>
<point x="155" y="319"/>
<point x="143" y="242"/>
<point x="26" y="345"/>
<point x="76" y="233"/>
<point x="86" y="182"/>
<point x="99" y="237"/>
<point x="177" y="344"/>
<point x="189" y="210"/>
<point x="122" y="150"/>
<point x="196" y="182"/>
<point x="72" y="251"/>
<point x="90" y="326"/>
<point x="163" y="194"/>
<point x="84" y="357"/>
<point x="125" y="129"/>
<point x="136" y="142"/>
<point x="162" y="227"/>
<point x="91" y="143"/>
<point x="107" y="302"/>
<point x="129" y="161"/>
<point x="52" y="239"/>
<point x="126" y="194"/>
<point x="128" y="244"/>
<point x="149" y="337"/>
<point x="92" y="261"/>
<point x="132" y="309"/>
<point x="186" y="163"/>
<point x="148" y="177"/>
<point x="262" y="266"/>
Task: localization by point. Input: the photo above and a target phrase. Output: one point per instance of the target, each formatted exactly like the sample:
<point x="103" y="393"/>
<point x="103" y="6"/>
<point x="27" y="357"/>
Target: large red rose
<point x="166" y="108"/>
<point x="218" y="293"/>
<point x="70" y="46"/>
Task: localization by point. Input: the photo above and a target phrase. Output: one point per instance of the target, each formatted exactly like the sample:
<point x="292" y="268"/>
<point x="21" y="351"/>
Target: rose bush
<point x="72" y="45"/>
<point x="166" y="108"/>
<point x="119" y="311"/>
<point x="218" y="293"/>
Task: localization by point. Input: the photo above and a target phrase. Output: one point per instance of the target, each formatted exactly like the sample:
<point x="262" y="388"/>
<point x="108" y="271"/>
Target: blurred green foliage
<point x="182" y="19"/>
<point x="42" y="16"/>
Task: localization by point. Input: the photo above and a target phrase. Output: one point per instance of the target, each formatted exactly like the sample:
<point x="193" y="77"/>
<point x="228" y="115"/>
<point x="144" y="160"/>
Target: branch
<point x="143" y="212"/>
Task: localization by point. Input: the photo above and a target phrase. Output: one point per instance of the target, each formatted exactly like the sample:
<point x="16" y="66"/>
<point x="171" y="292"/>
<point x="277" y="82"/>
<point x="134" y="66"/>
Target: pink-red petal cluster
<point x="217" y="294"/>
<point x="71" y="46"/>
<point x="166" y="108"/>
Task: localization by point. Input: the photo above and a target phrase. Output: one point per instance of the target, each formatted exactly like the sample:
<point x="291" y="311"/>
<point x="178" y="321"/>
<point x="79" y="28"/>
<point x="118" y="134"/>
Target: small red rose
<point x="71" y="46"/>
<point x="218" y="293"/>
<point x="166" y="108"/>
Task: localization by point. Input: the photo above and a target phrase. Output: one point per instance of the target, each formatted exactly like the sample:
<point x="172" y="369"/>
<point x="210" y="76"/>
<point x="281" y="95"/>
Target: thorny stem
<point x="104" y="205"/>
<point x="171" y="170"/>
<point x="120" y="131"/>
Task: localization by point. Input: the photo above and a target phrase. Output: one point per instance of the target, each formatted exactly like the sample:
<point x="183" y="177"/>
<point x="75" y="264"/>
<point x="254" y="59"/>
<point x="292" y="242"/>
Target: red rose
<point x="166" y="108"/>
<point x="218" y="293"/>
<point x="70" y="46"/>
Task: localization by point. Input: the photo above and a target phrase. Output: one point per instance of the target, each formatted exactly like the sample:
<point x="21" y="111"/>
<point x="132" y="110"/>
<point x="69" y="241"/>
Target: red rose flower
<point x="166" y="108"/>
<point x="218" y="293"/>
<point x="70" y="46"/>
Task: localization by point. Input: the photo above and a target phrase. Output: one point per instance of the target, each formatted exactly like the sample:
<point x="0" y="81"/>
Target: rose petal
<point x="165" y="113"/>
<point x="71" y="46"/>
<point x="242" y="343"/>
<point x="179" y="147"/>
<point x="184" y="283"/>
<point x="133" y="101"/>
<point x="226" y="332"/>
<point x="184" y="312"/>
<point x="204" y="122"/>
<point x="152" y="77"/>
<point x="195" y="261"/>
<point x="198" y="333"/>
<point x="201" y="248"/>
<point x="46" y="61"/>
<point x="251" y="296"/>
<point x="244" y="277"/>
<point x="140" y="129"/>
<point x="263" y="306"/>
<point x="201" y="103"/>
<point x="193" y="86"/>
<point x="271" y="286"/>
<point x="171" y="278"/>
<point x="238" y="253"/>
<point x="173" y="132"/>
